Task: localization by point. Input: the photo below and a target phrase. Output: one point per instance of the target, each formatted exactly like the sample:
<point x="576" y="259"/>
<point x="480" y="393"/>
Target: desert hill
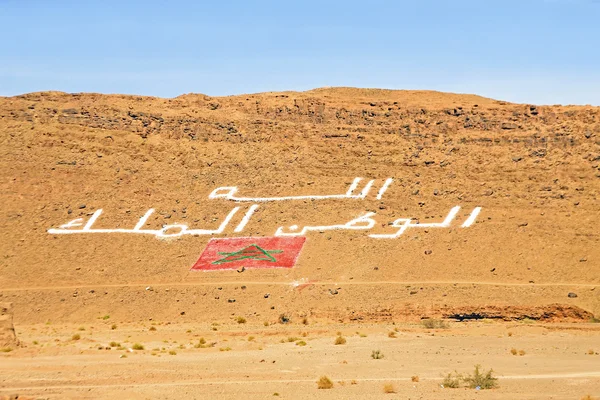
<point x="533" y="170"/>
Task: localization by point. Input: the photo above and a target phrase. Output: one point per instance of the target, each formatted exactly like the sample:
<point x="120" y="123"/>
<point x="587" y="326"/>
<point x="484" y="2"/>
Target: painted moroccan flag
<point x="250" y="252"/>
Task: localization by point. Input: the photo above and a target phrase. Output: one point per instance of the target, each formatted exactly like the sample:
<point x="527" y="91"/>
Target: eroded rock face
<point x="8" y="338"/>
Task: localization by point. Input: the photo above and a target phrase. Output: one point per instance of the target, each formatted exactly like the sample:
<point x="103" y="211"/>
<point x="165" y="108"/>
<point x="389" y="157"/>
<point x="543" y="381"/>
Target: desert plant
<point x="481" y="380"/>
<point x="340" y="340"/>
<point x="152" y="328"/>
<point x="376" y="355"/>
<point x="392" y="334"/>
<point x="389" y="388"/>
<point x="76" y="336"/>
<point x="589" y="397"/>
<point x="522" y="352"/>
<point x="513" y="351"/>
<point x="240" y="320"/>
<point x="300" y="343"/>
<point x="113" y="326"/>
<point x="6" y="349"/>
<point x="452" y="380"/>
<point x="305" y="321"/>
<point x="137" y="346"/>
<point x="434" y="324"/>
<point x="324" y="383"/>
<point x="114" y="344"/>
<point x="414" y="378"/>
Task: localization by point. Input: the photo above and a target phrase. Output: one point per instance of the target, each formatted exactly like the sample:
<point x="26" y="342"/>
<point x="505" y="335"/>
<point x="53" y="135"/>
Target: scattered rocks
<point x="231" y="300"/>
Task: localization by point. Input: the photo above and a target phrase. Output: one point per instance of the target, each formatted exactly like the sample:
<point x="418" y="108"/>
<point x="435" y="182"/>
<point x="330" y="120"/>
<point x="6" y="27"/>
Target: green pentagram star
<point x="252" y="252"/>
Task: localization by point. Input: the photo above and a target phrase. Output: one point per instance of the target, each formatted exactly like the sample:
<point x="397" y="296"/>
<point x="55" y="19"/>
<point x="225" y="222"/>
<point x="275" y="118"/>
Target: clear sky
<point x="529" y="51"/>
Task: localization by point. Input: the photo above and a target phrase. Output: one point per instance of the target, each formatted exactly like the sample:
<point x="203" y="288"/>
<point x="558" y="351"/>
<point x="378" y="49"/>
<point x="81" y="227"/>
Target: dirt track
<point x="533" y="252"/>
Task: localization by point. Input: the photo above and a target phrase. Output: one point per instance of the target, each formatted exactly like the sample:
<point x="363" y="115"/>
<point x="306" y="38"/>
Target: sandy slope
<point x="535" y="171"/>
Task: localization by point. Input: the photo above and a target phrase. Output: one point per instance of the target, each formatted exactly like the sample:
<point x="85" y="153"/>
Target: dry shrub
<point x="137" y="346"/>
<point x="414" y="378"/>
<point x="324" y="383"/>
<point x="522" y="352"/>
<point x="513" y="351"/>
<point x="76" y="336"/>
<point x="389" y="388"/>
<point x="481" y="380"/>
<point x="392" y="334"/>
<point x="434" y="324"/>
<point x="452" y="380"/>
<point x="589" y="397"/>
<point x="340" y="340"/>
<point x="376" y="355"/>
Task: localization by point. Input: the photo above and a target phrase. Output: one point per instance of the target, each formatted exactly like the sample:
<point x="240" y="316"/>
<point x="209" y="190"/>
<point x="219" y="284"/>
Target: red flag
<point x="250" y="252"/>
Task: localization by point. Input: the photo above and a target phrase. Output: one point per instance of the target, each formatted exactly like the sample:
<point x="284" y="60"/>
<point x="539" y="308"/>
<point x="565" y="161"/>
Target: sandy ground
<point x="251" y="361"/>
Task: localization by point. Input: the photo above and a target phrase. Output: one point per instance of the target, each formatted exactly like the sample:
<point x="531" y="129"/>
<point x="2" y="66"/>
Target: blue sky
<point x="529" y="51"/>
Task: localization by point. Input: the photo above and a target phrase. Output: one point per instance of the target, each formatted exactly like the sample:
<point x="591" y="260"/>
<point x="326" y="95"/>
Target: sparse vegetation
<point x="434" y="324"/>
<point x="591" y="352"/>
<point x="324" y="383"/>
<point x="113" y="326"/>
<point x="6" y="349"/>
<point x="414" y="378"/>
<point x="392" y="334"/>
<point x="240" y="320"/>
<point x="137" y="346"/>
<point x="305" y="321"/>
<point x="114" y="344"/>
<point x="105" y="317"/>
<point x="35" y="342"/>
<point x="514" y="352"/>
<point x="353" y="382"/>
<point x="275" y="394"/>
<point x="173" y="352"/>
<point x="376" y="355"/>
<point x="482" y="380"/>
<point x="589" y="397"/>
<point x="76" y="336"/>
<point x="266" y="323"/>
<point x="300" y="343"/>
<point x="389" y="388"/>
<point x="152" y="328"/>
<point x="225" y="348"/>
<point x="250" y="338"/>
<point x="452" y="380"/>
<point x="340" y="340"/>
<point x="292" y="339"/>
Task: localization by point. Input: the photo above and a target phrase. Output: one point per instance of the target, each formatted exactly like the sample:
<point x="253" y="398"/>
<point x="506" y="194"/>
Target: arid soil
<point x="528" y="266"/>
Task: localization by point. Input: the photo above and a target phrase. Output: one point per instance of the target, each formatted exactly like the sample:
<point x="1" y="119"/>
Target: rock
<point x="517" y="159"/>
<point x="508" y="126"/>
<point x="523" y="224"/>
<point x="81" y="206"/>
<point x="266" y="296"/>
<point x="231" y="300"/>
<point x="428" y="252"/>
<point x="572" y="295"/>
<point x="333" y="291"/>
<point x="8" y="337"/>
